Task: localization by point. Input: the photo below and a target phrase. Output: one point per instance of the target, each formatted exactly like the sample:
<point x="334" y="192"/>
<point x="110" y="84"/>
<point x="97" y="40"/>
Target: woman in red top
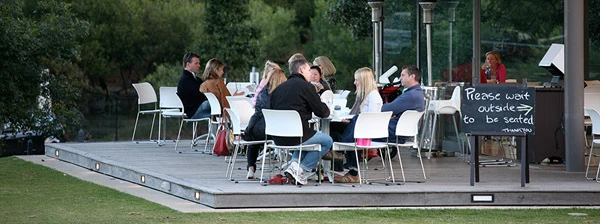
<point x="493" y="69"/>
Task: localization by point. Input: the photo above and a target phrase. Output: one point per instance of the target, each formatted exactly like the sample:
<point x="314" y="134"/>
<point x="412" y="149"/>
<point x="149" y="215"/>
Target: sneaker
<point x="250" y="174"/>
<point x="348" y="178"/>
<point x="296" y="174"/>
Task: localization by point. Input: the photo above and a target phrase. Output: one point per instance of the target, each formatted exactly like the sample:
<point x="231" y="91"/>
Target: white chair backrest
<point x="243" y="108"/>
<point x="456" y="97"/>
<point x="215" y="106"/>
<point x="327" y="96"/>
<point x="282" y="123"/>
<point x="341" y="102"/>
<point x="372" y="125"/>
<point x="408" y="123"/>
<point x="591" y="100"/>
<point x="239" y="86"/>
<point x="169" y="98"/>
<point x="145" y="92"/>
<point x="595" y="116"/>
<point x="345" y="94"/>
<point x="235" y="121"/>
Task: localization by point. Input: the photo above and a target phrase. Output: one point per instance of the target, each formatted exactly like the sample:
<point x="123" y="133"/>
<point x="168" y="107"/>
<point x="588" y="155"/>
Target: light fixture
<point x="143" y="179"/>
<point x="451" y="18"/>
<point x="197" y="195"/>
<point x="377" y="20"/>
<point x="97" y="166"/>
<point x="427" y="6"/>
<point x="56" y="153"/>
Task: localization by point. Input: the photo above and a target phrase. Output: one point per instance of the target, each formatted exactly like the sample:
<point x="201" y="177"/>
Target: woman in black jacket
<point x="256" y="126"/>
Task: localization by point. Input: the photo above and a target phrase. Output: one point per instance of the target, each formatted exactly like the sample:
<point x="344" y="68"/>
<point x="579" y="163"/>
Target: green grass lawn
<point x="31" y="193"/>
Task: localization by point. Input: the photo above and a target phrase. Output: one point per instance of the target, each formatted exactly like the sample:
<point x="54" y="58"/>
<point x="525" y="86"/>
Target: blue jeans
<point x="311" y="158"/>
<point x="203" y="111"/>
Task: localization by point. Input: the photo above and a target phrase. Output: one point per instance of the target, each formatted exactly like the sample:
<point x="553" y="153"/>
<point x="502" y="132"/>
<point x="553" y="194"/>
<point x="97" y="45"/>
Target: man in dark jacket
<point x="194" y="102"/>
<point x="298" y="94"/>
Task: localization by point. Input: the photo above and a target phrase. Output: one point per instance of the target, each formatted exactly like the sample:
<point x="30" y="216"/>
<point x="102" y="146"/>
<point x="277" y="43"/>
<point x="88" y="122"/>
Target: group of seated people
<point x="300" y="92"/>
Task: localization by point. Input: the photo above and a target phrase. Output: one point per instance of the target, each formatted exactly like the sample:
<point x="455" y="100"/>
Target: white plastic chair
<point x="238" y="142"/>
<point x="285" y="123"/>
<point x="369" y="125"/>
<point x="327" y="97"/>
<point x="444" y="107"/>
<point x="170" y="102"/>
<point x="215" y="112"/>
<point x="243" y="107"/>
<point x="595" y="116"/>
<point x="408" y="126"/>
<point x="344" y="94"/>
<point x="146" y="95"/>
<point x="194" y="129"/>
<point x="247" y="87"/>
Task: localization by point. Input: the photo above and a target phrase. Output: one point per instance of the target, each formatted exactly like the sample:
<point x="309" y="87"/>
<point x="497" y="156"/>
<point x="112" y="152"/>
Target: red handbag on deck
<point x="224" y="140"/>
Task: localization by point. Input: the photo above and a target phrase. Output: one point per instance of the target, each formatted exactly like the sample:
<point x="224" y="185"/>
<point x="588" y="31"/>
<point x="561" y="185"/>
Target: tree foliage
<point x="336" y="42"/>
<point x="353" y="15"/>
<point x="127" y="38"/>
<point x="231" y="38"/>
<point x="278" y="39"/>
<point x="39" y="43"/>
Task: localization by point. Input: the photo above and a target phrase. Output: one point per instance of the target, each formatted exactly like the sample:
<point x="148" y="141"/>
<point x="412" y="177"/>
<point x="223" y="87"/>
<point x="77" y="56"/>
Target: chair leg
<point x="590" y="156"/>
<point x="262" y="169"/>
<point x="231" y="164"/>
<point x="178" y="135"/>
<point x="208" y="136"/>
<point x="426" y="128"/>
<point x="598" y="172"/>
<point x="360" y="177"/>
<point x="421" y="161"/>
<point x="401" y="165"/>
<point x="432" y="137"/>
<point x="457" y="133"/>
<point x="151" y="127"/>
<point x="135" y="127"/>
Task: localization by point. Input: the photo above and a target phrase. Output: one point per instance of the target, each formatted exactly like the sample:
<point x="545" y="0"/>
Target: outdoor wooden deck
<point x="201" y="178"/>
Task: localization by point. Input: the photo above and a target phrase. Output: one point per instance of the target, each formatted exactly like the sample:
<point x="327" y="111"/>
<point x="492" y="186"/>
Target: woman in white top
<point x="367" y="100"/>
<point x="367" y="95"/>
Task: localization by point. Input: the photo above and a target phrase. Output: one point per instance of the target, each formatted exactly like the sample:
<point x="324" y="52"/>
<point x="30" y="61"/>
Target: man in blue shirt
<point x="412" y="98"/>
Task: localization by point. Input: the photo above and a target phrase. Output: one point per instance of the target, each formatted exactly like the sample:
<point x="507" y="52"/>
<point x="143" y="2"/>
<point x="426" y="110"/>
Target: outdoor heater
<point x="377" y="19"/>
<point x="451" y="18"/>
<point x="427" y="6"/>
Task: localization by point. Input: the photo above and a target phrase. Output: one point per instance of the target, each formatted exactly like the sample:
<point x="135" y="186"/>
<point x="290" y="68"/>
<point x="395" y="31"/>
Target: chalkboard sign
<point x="498" y="108"/>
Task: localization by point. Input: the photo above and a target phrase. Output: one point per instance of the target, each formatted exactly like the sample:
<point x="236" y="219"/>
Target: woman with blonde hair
<point x="214" y="83"/>
<point x="269" y="65"/>
<point x="493" y="69"/>
<point x="367" y="95"/>
<point x="256" y="126"/>
<point x="328" y="71"/>
<point x="367" y="100"/>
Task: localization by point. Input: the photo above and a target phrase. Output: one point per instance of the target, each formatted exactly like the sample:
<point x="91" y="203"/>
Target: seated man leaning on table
<point x="298" y="94"/>
<point x="412" y="98"/>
